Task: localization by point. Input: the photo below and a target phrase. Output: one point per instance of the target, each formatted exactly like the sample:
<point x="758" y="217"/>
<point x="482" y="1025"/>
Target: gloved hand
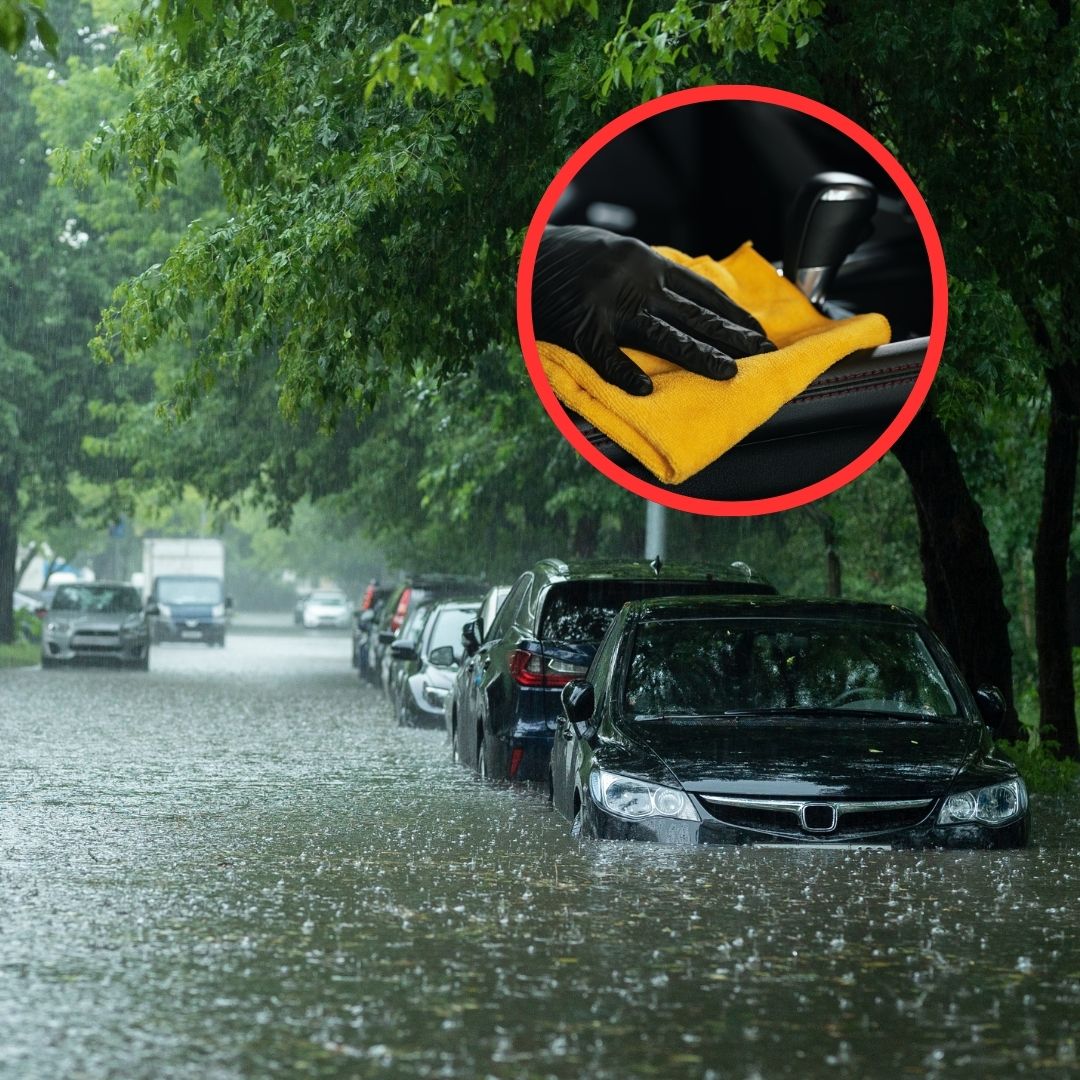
<point x="594" y="291"/>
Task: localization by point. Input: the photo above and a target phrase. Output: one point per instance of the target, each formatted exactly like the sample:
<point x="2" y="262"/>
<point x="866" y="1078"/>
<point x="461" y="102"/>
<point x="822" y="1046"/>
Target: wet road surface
<point x="236" y="867"/>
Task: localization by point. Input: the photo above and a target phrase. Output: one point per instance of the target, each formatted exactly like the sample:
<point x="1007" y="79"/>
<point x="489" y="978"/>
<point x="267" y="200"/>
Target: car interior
<point x="704" y="178"/>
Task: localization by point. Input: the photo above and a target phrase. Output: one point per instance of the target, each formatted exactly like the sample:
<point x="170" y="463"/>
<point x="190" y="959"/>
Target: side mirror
<point x="386" y="637"/>
<point x="991" y="706"/>
<point x="404" y="650"/>
<point x="443" y="656"/>
<point x="365" y="618"/>
<point x="470" y="639"/>
<point x="152" y="608"/>
<point x="579" y="704"/>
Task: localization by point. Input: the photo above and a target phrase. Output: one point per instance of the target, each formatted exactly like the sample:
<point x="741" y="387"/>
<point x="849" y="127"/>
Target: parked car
<point x="398" y="604"/>
<point x="399" y="665"/>
<point x="99" y="620"/>
<point x="768" y="720"/>
<point x="364" y="626"/>
<point x="472" y="636"/>
<point x="544" y="635"/>
<point x="433" y="660"/>
<point x="325" y="607"/>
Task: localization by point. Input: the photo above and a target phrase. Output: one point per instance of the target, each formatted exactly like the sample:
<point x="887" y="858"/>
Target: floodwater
<point x="236" y="867"/>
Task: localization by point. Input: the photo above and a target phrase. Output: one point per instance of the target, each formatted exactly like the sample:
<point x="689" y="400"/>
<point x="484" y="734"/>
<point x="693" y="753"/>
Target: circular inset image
<point x="732" y="300"/>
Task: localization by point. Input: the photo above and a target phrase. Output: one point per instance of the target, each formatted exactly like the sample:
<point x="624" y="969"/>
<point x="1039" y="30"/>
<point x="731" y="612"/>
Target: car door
<point x="566" y="755"/>
<point x="488" y="689"/>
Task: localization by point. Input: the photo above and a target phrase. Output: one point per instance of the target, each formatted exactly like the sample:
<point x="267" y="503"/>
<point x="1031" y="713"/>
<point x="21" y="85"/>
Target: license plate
<point x="191" y="634"/>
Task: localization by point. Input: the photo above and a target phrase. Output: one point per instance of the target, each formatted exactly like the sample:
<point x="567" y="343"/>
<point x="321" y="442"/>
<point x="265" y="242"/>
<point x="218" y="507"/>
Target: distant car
<point x="405" y="596"/>
<point x="188" y="607"/>
<point x="778" y="721"/>
<point x="365" y="625"/>
<point x="326" y="607"/>
<point x="544" y="635"/>
<point x="99" y="620"/>
<point x="434" y="658"/>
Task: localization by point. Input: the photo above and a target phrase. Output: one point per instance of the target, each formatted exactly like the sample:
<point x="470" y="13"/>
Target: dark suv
<point x="505" y="701"/>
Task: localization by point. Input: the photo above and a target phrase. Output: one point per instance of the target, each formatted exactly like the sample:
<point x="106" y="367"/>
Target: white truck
<point x="184" y="586"/>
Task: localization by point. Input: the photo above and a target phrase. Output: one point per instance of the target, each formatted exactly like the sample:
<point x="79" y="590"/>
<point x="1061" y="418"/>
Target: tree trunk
<point x="9" y="550"/>
<point x="833" y="569"/>
<point x="965" y="605"/>
<point x="1057" y="694"/>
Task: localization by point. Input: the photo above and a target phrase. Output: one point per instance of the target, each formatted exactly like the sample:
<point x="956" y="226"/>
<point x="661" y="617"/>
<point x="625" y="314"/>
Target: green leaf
<point x="523" y="60"/>
<point x="284" y="9"/>
<point x="47" y="35"/>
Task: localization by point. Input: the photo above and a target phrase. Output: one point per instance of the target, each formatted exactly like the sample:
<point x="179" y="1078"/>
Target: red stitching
<point x="810" y="399"/>
<point x="824" y="380"/>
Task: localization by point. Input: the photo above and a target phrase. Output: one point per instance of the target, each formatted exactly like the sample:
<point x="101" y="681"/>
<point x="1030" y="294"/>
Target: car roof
<point x="772" y="607"/>
<point x="554" y="570"/>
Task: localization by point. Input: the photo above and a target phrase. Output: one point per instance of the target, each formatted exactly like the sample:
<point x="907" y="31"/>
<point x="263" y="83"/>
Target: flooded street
<point x="236" y="867"/>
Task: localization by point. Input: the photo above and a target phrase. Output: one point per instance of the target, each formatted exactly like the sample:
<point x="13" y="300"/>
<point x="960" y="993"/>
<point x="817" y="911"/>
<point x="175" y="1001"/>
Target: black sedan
<point x="769" y="720"/>
<point x="505" y="703"/>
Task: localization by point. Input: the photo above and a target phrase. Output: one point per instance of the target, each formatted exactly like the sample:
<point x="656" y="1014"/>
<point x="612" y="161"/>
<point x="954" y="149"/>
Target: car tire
<point x="49" y="664"/>
<point x="143" y="663"/>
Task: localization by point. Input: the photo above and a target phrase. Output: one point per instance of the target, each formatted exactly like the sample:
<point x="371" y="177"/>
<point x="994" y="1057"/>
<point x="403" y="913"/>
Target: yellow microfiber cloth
<point x="688" y="421"/>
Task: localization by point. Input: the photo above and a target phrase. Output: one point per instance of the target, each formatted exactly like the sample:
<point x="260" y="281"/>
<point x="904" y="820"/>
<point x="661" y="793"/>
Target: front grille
<point x="808" y="819"/>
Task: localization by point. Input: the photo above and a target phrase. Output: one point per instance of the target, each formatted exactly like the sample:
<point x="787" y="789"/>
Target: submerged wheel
<point x="48" y="663"/>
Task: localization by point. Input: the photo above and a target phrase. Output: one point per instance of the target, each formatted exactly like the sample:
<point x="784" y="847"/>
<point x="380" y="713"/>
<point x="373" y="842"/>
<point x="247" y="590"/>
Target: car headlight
<point x="131" y="624"/>
<point x="164" y="610"/>
<point x="58" y="627"/>
<point x="628" y="797"/>
<point x="993" y="805"/>
<point x="435" y="695"/>
<point x="217" y="611"/>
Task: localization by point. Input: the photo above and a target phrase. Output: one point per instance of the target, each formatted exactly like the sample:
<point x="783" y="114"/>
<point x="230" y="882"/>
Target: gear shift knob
<point x="829" y="217"/>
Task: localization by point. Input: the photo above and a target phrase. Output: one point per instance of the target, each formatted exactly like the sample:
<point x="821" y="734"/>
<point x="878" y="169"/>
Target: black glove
<point x="594" y="291"/>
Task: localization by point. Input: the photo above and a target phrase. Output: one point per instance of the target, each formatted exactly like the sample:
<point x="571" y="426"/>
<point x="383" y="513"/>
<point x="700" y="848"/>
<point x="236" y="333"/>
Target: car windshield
<point x="192" y="590"/>
<point x="97" y="599"/>
<point x="327" y="599"/>
<point x="734" y="666"/>
<point x="580" y="611"/>
<point x="447" y="628"/>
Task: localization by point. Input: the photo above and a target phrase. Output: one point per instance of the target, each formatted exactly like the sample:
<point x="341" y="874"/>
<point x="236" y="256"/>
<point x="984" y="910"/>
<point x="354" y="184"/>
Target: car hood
<point x="92" y="620"/>
<point x="807" y="757"/>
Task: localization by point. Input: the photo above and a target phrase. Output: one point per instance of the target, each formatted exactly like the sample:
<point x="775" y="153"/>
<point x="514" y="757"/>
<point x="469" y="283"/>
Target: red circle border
<point x="938" y="280"/>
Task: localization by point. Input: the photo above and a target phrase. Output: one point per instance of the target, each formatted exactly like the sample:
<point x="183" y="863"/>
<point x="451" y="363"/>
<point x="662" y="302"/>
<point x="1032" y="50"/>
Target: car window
<point x="413" y="626"/>
<point x="505" y="617"/>
<point x="100" y="599"/>
<point x="580" y="611"/>
<point x="188" y="590"/>
<point x="715" y="666"/>
<point x="445" y="628"/>
<point x="492" y="603"/>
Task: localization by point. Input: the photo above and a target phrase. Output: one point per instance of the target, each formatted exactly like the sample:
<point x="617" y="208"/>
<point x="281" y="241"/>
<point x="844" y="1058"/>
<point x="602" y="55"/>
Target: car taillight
<point x="515" y="760"/>
<point x="401" y="612"/>
<point x="369" y="598"/>
<point x="531" y="669"/>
